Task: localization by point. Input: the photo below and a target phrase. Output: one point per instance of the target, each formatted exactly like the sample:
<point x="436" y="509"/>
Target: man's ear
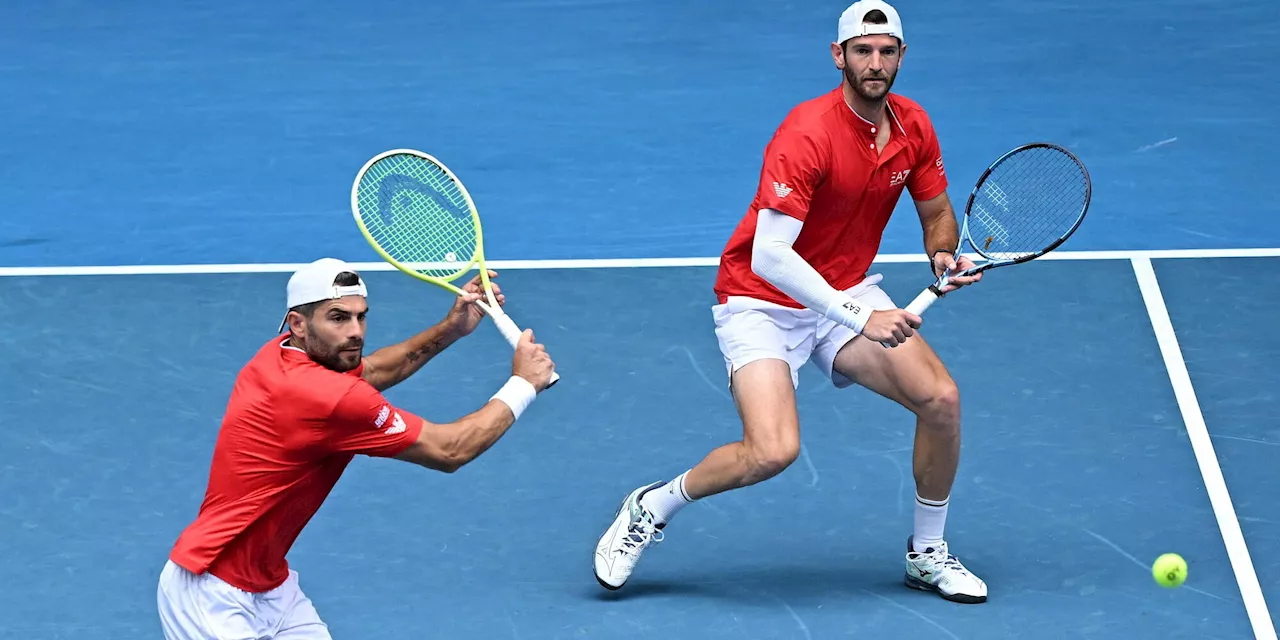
<point x="297" y="324"/>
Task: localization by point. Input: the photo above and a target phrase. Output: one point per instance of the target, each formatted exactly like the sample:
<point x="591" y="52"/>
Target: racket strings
<point x="1026" y="204"/>
<point x="417" y="214"/>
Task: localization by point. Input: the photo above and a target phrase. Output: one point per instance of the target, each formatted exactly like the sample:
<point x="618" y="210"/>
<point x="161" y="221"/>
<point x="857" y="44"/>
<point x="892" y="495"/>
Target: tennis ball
<point x="1169" y="570"/>
<point x="450" y="257"/>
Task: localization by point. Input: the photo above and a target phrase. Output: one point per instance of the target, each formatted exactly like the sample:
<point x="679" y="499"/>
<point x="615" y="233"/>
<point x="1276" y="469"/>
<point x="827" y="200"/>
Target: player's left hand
<point x="465" y="316"/>
<point x="945" y="262"/>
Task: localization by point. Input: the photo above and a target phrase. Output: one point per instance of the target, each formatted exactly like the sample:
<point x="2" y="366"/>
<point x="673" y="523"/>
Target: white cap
<point x="314" y="282"/>
<point x="852" y="26"/>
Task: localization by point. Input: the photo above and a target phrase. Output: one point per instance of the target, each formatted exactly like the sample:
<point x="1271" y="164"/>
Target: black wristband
<point x="934" y="256"/>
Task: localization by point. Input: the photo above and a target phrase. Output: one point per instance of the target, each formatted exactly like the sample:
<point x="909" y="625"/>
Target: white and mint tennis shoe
<point x="937" y="570"/>
<point x="619" y="549"/>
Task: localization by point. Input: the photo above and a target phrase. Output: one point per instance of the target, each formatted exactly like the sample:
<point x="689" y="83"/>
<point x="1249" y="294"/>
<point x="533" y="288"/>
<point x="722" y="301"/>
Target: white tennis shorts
<point x="749" y="329"/>
<point x="203" y="607"/>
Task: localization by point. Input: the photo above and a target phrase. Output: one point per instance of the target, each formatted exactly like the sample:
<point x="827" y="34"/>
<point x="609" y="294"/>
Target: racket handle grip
<point x="923" y="301"/>
<point x="507" y="327"/>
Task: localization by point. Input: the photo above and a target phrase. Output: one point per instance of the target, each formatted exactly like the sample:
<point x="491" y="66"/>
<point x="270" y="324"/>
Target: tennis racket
<point x="1026" y="204"/>
<point x="419" y="217"/>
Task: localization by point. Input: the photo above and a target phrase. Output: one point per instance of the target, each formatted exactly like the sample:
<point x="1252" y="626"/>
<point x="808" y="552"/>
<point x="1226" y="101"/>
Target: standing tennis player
<point x="793" y="286"/>
<point x="300" y="411"/>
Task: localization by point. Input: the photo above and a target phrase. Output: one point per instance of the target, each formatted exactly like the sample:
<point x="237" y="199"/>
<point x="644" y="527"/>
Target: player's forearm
<point x="775" y="260"/>
<point x="460" y="442"/>
<point x="941" y="232"/>
<point x="391" y="365"/>
<point x="476" y="433"/>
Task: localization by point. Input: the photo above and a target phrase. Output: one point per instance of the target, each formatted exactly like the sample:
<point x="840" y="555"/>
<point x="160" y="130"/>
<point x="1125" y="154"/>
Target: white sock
<point x="665" y="501"/>
<point x="931" y="519"/>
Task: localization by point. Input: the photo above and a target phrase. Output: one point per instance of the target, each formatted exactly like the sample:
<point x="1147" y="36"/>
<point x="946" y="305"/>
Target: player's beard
<point x="875" y="92"/>
<point x="339" y="357"/>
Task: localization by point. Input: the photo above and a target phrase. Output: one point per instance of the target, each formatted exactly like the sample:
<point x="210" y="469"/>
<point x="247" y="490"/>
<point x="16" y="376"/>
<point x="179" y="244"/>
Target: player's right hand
<point x="531" y="362"/>
<point x="891" y="327"/>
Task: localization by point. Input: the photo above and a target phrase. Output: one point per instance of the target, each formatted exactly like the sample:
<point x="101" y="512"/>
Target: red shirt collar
<point x="864" y="126"/>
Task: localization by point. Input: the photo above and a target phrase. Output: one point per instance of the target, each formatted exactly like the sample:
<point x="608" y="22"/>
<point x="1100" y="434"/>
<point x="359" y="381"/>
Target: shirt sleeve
<point x="928" y="177"/>
<point x="795" y="163"/>
<point x="364" y="422"/>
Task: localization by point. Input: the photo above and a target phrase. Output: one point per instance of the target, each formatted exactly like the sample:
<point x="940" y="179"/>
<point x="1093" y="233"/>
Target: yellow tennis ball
<point x="1169" y="570"/>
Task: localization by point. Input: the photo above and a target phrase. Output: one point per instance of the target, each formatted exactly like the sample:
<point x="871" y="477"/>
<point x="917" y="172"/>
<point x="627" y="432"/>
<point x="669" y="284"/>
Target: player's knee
<point x="943" y="405"/>
<point x="768" y="460"/>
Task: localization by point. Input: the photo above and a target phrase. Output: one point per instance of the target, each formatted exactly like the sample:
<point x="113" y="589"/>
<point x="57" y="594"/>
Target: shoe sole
<point x="921" y="585"/>
<point x="608" y="586"/>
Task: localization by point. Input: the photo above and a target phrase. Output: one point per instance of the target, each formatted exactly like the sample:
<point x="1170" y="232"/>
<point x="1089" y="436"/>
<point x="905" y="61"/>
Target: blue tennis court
<point x="167" y="165"/>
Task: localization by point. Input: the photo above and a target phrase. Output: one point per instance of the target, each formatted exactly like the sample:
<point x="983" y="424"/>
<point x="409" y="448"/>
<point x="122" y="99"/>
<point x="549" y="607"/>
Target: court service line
<point x="593" y="263"/>
<point x="1197" y="431"/>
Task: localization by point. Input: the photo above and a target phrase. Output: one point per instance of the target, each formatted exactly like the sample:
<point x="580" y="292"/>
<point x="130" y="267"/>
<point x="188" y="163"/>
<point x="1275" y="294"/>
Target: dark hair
<point x="875" y="16"/>
<point x="344" y="279"/>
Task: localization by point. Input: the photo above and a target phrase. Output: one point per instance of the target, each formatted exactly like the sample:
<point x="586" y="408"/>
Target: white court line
<point x="593" y="263"/>
<point x="1214" y="484"/>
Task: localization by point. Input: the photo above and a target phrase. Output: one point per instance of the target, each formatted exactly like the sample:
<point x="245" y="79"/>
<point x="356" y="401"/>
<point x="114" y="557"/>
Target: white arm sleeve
<point x="775" y="260"/>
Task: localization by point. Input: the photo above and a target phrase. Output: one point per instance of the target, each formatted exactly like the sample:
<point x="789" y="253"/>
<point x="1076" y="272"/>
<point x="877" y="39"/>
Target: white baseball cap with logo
<point x="852" y="25"/>
<point x="314" y="282"/>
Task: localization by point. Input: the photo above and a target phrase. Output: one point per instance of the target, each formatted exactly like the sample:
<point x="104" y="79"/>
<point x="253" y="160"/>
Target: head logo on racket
<point x="416" y="214"/>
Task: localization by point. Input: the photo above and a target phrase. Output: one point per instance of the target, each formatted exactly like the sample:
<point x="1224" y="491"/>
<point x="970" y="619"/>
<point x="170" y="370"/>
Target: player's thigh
<point x="910" y="374"/>
<point x="764" y="349"/>
<point x="766" y="401"/>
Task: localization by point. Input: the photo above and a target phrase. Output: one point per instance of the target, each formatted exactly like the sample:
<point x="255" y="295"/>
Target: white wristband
<point x="849" y="312"/>
<point x="517" y="393"/>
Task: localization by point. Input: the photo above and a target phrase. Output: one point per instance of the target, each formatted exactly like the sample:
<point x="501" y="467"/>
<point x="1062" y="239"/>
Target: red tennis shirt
<point x="822" y="167"/>
<point x="290" y="429"/>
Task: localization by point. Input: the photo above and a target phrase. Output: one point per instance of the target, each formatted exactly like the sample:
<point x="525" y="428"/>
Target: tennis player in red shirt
<point x="306" y="404"/>
<point x="793" y="287"/>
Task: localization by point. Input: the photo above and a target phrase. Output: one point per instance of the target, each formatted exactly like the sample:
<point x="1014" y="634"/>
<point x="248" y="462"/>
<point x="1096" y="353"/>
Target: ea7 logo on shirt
<point x="782" y="189"/>
<point x="397" y="426"/>
<point x="899" y="177"/>
<point x="397" y="423"/>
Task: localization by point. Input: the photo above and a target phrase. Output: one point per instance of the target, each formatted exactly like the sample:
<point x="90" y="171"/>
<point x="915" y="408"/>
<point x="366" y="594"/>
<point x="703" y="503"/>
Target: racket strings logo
<point x="401" y="195"/>
<point x="782" y="189"/>
<point x="997" y="195"/>
<point x="993" y="227"/>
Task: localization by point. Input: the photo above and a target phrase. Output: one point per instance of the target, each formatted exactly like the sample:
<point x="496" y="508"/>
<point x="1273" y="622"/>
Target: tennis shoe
<point x="935" y="569"/>
<point x="619" y="549"/>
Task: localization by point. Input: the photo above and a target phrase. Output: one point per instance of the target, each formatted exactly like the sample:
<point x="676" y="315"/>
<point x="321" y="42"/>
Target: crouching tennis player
<point x="306" y="404"/>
